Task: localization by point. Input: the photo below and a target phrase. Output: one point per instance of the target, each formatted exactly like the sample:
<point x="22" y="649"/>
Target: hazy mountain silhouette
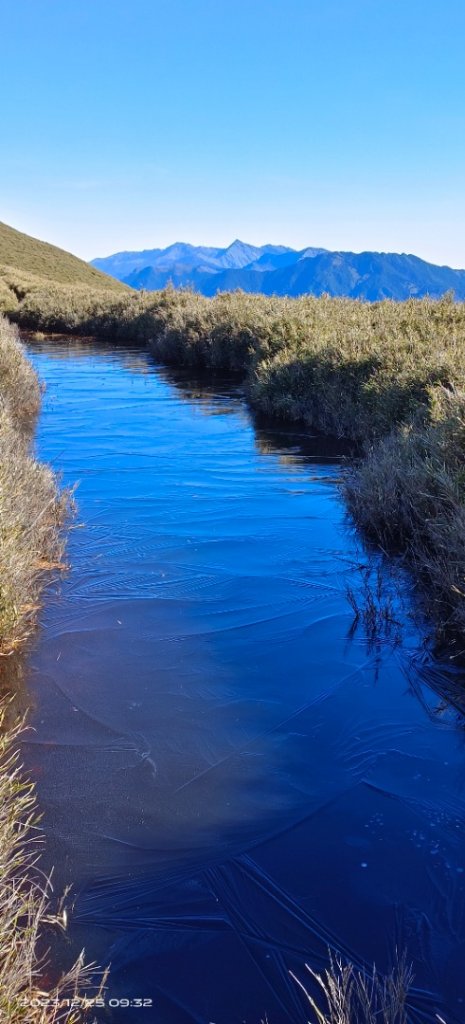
<point x="279" y="270"/>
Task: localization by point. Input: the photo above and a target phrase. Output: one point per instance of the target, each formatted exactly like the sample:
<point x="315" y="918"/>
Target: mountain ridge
<point x="281" y="270"/>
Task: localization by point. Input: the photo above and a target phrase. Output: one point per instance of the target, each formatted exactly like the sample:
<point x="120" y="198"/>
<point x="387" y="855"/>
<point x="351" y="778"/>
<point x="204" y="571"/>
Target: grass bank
<point x="31" y="507"/>
<point x="390" y="376"/>
<point x="31" y="513"/>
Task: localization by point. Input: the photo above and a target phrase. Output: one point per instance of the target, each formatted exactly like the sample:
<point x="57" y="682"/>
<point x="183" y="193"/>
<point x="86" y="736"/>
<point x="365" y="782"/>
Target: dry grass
<point x="25" y="907"/>
<point x="345" y="367"/>
<point x="353" y="997"/>
<point x="408" y="493"/>
<point x="31" y="507"/>
<point x="19" y="387"/>
<point x="31" y="512"/>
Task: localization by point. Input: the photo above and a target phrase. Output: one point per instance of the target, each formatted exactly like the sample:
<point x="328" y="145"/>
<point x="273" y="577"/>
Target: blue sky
<point x="341" y="123"/>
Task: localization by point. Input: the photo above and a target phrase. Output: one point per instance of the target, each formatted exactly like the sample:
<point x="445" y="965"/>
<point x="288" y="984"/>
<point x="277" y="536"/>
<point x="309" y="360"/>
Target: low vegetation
<point x="348" y="996"/>
<point x="388" y="376"/>
<point x="408" y="493"/>
<point x="31" y="507"/>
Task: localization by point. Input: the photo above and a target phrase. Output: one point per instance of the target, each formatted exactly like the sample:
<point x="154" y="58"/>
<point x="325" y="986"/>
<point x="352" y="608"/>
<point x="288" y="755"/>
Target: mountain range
<point x="280" y="270"/>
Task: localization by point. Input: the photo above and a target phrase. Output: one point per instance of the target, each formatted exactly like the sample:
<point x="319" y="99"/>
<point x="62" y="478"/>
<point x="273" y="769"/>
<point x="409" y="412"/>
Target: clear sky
<point x="130" y="124"/>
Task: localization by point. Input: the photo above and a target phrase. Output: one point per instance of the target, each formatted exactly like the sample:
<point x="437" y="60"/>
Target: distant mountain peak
<point x="280" y="270"/>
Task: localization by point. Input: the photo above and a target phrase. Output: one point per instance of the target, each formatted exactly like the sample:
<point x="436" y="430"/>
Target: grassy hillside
<point x="28" y="255"/>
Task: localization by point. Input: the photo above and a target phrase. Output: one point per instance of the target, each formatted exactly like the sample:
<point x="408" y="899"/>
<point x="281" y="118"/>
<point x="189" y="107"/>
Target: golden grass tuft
<point x="354" y="997"/>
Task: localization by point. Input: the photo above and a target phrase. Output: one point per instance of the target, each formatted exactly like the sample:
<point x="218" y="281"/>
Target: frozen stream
<point x="230" y="779"/>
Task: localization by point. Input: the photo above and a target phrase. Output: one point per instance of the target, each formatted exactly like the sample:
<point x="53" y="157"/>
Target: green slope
<point x="29" y="255"/>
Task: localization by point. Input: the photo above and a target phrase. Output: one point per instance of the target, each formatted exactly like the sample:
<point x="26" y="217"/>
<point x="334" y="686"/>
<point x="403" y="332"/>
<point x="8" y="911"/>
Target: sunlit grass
<point x="31" y="506"/>
<point x="348" y="996"/>
<point x="29" y="255"/>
